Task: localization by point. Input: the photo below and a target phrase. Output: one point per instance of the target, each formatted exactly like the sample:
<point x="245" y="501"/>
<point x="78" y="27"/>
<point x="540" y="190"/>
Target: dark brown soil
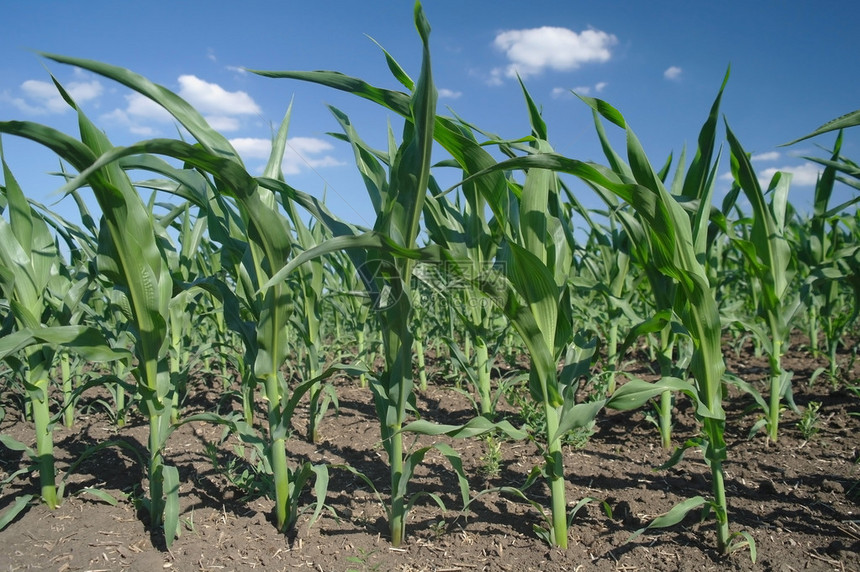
<point x="800" y="500"/>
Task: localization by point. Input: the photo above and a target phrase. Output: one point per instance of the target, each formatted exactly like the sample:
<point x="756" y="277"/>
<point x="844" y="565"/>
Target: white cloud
<point x="252" y="147"/>
<point x="223" y="122"/>
<point x="301" y="152"/>
<point x="139" y="115"/>
<point x="221" y="107"/>
<point x="449" y="93"/>
<point x="558" y="92"/>
<point x="120" y="117"/>
<point x="769" y="156"/>
<point x="212" y="98"/>
<point x="805" y="175"/>
<point x="583" y="89"/>
<point x="533" y="50"/>
<point x="142" y="107"/>
<point x="672" y="72"/>
<point x="42" y="97"/>
<point x="495" y="78"/>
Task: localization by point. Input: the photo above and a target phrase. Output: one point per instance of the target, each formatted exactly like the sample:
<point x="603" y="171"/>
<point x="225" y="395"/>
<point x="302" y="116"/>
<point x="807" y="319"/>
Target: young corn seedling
<point x="535" y="296"/>
<point x="131" y="259"/>
<point x="309" y="283"/>
<point x="673" y="237"/>
<point x="386" y="257"/>
<point x="823" y="244"/>
<point x="467" y="238"/>
<point x="29" y="275"/>
<point x="400" y="201"/>
<point x="695" y="184"/>
<point x="258" y="242"/>
<point x="774" y="267"/>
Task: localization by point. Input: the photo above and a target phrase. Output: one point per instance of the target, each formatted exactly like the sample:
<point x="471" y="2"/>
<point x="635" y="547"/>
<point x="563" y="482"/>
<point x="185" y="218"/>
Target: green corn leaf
<point x="457" y="464"/>
<point x="675" y="515"/>
<point x="851" y="119"/>
<point x="743" y="539"/>
<point x="321" y="489"/>
<point x="84" y="340"/>
<point x="15" y="445"/>
<point x="20" y="216"/>
<point x="185" y="114"/>
<point x="473" y="428"/>
<point x="398" y="72"/>
<point x="103" y="496"/>
<point x="772" y="249"/>
<point x="543" y="383"/>
<point x="468" y="154"/>
<point x="696" y="184"/>
<point x="368" y="241"/>
<point x="604" y="109"/>
<point x="637" y="392"/>
<point x="171" y="507"/>
<point x="533" y="281"/>
<point x="21" y="503"/>
<point x="535" y="120"/>
<point x="585" y="501"/>
<point x="678" y="454"/>
<point x="576" y="415"/>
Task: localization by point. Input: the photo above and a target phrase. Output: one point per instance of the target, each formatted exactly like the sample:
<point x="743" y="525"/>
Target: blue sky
<point x="793" y="67"/>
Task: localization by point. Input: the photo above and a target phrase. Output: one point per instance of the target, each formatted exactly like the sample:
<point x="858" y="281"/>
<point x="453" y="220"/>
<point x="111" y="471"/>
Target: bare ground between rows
<point x="798" y="499"/>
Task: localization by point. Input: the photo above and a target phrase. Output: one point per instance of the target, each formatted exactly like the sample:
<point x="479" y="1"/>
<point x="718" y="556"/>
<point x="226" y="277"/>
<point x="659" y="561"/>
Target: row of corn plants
<point x="283" y="294"/>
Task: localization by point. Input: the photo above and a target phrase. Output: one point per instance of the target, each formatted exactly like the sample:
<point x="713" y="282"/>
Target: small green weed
<point x="491" y="461"/>
<point x="808" y="424"/>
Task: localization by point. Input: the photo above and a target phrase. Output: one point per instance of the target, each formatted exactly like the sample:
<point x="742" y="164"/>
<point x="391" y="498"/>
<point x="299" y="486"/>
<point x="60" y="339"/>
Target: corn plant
<point x="466" y="236"/>
<point x="401" y="199"/>
<point x="674" y="238"/>
<point x="824" y="246"/>
<point x="535" y="296"/>
<point x="386" y="257"/>
<point x="694" y="184"/>
<point x="258" y="243"/>
<point x="308" y="318"/>
<point x="774" y="267"/>
<point x="130" y="257"/>
<point x="351" y="309"/>
<point x="29" y="275"/>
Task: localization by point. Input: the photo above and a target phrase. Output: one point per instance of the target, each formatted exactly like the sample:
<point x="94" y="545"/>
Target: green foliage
<point x="808" y="423"/>
<point x="222" y="274"/>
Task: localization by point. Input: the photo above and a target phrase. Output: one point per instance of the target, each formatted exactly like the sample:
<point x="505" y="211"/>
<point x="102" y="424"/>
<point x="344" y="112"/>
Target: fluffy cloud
<point x="139" y="116"/>
<point x="252" y="147"/>
<point x="223" y="122"/>
<point x="531" y="51"/>
<point x="449" y="93"/>
<point x="301" y="152"/>
<point x="142" y="107"/>
<point x="213" y="99"/>
<point x="582" y="89"/>
<point x="805" y="175"/>
<point x="769" y="156"/>
<point x="219" y="106"/>
<point x="672" y="72"/>
<point x="42" y="97"/>
<point x="120" y="117"/>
